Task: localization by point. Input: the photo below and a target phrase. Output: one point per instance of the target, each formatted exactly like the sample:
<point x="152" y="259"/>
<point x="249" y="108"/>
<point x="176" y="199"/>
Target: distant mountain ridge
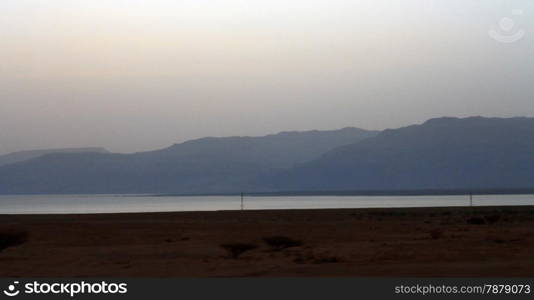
<point x="27" y="155"/>
<point x="442" y="153"/>
<point x="281" y="150"/>
<point x="205" y="165"/>
<point x="445" y="154"/>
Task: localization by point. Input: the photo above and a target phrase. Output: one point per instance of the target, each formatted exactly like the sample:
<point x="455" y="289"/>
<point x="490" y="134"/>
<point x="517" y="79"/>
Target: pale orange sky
<point x="139" y="75"/>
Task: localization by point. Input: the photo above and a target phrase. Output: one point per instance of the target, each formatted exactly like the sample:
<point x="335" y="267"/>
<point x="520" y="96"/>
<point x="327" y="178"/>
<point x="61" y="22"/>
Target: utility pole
<point x="471" y="199"/>
<point x="242" y="203"/>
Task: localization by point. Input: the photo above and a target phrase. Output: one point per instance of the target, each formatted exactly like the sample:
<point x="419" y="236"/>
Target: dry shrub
<point x="12" y="239"/>
<point x="476" y="221"/>
<point x="310" y="257"/>
<point x="236" y="249"/>
<point x="281" y="242"/>
<point x="436" y="234"/>
<point x="492" y="219"/>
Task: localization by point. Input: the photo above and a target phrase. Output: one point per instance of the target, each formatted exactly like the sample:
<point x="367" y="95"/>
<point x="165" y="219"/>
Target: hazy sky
<point x="133" y="75"/>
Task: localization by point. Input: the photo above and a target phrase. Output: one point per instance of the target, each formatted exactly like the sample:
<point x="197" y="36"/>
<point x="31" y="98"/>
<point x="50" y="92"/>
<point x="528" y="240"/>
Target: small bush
<point x="236" y="249"/>
<point x="436" y="234"/>
<point x="310" y="257"/>
<point x="11" y="239"/>
<point x="492" y="219"/>
<point x="476" y="221"/>
<point x="281" y="242"/>
<point x="326" y="259"/>
<point x="300" y="259"/>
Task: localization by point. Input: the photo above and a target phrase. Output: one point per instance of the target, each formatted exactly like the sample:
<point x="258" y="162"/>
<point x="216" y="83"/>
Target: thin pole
<point x="471" y="199"/>
<point x="242" y="203"/>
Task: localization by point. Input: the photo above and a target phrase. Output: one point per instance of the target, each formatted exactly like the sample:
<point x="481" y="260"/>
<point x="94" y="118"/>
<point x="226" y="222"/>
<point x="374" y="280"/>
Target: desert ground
<point x="414" y="242"/>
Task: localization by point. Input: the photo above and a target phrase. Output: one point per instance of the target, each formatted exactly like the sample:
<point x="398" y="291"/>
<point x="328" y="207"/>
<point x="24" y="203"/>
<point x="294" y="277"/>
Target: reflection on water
<point x="46" y="204"/>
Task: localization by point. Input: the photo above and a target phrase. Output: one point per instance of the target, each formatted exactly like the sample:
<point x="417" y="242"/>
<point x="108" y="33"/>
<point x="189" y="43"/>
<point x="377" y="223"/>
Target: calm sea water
<point x="70" y="204"/>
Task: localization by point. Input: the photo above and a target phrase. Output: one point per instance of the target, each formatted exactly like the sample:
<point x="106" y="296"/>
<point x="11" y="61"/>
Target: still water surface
<point x="75" y="204"/>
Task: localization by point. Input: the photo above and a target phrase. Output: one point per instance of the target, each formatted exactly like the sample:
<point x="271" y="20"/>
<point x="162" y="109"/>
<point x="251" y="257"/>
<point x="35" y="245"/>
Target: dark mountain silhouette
<point x="443" y="153"/>
<point x="27" y="155"/>
<point x="205" y="165"/>
<point x="282" y="150"/>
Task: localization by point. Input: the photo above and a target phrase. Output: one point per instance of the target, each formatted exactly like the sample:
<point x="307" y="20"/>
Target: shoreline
<point x="273" y="210"/>
<point x="111" y="204"/>
<point x="489" y="241"/>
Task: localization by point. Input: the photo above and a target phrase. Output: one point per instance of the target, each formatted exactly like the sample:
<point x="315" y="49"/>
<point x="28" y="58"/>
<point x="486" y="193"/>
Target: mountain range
<point x="207" y="165"/>
<point x="27" y="155"/>
<point x="440" y="154"/>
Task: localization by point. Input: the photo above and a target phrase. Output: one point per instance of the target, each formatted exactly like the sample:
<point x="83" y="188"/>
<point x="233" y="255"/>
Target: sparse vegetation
<point x="310" y="257"/>
<point x="436" y="234"/>
<point x="12" y="239"/>
<point x="389" y="213"/>
<point x="491" y="219"/>
<point x="326" y="259"/>
<point x="236" y="249"/>
<point x="278" y="243"/>
<point x="476" y="221"/>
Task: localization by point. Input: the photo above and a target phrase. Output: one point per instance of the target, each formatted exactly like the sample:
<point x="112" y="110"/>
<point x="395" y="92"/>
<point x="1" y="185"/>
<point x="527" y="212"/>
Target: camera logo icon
<point x="506" y="31"/>
<point x="12" y="290"/>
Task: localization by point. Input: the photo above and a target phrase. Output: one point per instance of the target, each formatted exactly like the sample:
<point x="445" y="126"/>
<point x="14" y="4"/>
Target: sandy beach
<point x="414" y="242"/>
